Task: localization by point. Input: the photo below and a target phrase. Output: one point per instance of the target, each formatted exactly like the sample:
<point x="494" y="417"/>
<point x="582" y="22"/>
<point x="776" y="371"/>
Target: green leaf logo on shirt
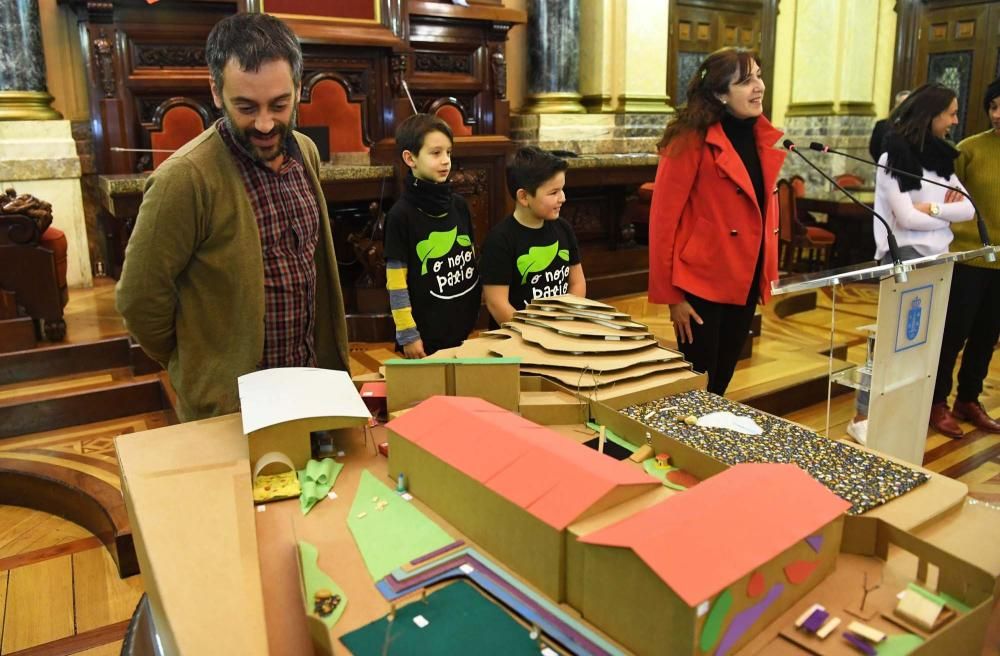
<point x="564" y="254"/>
<point x="538" y="258"/>
<point x="463" y="240"/>
<point x="437" y="244"/>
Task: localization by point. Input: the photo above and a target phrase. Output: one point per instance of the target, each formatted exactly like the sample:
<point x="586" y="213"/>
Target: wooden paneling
<point x="698" y="27"/>
<point x="955" y="42"/>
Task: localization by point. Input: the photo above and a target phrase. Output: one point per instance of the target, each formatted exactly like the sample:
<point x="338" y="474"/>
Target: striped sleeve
<point x="399" y="302"/>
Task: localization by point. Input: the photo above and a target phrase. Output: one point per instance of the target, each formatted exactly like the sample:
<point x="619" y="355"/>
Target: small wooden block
<point x="866" y="632"/>
<point x="828" y="628"/>
<point x="804" y="616"/>
<point x="917" y="608"/>
<point x="641" y="453"/>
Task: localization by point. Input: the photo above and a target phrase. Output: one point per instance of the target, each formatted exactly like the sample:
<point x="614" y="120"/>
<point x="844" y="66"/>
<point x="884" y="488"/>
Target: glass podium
<point x="900" y="371"/>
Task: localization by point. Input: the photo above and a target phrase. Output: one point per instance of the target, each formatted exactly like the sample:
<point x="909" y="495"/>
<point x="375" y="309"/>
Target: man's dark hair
<point x="531" y="167"/>
<point x="253" y="40"/>
<point x="411" y="133"/>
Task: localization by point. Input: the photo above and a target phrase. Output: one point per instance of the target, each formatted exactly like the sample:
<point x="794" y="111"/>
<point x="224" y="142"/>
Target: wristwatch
<point x="935" y="209"/>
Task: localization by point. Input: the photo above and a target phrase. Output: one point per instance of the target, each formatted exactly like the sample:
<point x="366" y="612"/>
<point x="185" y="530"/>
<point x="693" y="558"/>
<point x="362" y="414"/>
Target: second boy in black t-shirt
<point x="532" y="253"/>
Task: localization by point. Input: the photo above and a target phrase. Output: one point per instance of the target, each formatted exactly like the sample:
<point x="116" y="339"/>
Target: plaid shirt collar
<point x="292" y="150"/>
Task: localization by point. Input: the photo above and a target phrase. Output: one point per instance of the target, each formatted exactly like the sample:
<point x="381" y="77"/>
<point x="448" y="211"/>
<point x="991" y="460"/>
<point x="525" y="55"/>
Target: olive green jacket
<point x="192" y="287"/>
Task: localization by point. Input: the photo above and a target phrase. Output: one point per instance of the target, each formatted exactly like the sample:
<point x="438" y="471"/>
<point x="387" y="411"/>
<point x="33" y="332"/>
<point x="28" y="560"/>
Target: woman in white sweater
<point x="920" y="214"/>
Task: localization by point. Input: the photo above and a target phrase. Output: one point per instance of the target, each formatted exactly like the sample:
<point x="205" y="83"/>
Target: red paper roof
<point x="550" y="476"/>
<point x="373" y="389"/>
<point x="703" y="540"/>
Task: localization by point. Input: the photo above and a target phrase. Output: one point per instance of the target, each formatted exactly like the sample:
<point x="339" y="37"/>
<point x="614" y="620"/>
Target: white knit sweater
<point x="927" y="234"/>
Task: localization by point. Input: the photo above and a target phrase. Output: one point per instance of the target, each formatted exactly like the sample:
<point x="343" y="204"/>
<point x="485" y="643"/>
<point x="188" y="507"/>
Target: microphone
<point x="898" y="270"/>
<point x="984" y="235"/>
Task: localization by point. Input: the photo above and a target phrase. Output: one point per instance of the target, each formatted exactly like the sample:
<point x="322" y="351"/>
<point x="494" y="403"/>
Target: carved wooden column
<point x="23" y="93"/>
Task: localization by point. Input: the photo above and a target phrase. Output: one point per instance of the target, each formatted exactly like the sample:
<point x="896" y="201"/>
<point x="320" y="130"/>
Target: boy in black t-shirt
<point x="532" y="253"/>
<point x="431" y="273"/>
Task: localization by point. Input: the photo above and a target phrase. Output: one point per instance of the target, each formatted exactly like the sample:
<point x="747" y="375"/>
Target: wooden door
<point x="699" y="27"/>
<point x="957" y="45"/>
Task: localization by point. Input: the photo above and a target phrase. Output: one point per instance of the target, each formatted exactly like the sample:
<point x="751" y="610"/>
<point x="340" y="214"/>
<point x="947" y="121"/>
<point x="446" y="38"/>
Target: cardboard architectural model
<point x="510" y="485"/>
<point x="409" y="382"/>
<point x="581" y="344"/>
<point x="710" y="564"/>
<point x="282" y="406"/>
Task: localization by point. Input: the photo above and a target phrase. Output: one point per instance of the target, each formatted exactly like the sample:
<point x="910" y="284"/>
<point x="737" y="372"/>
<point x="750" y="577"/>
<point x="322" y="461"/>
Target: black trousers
<point x="719" y="340"/>
<point x="973" y="321"/>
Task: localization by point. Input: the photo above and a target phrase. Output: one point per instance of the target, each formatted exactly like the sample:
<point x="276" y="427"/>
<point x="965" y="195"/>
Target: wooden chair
<point x="801" y="247"/>
<point x="33" y="267"/>
<point x="849" y="181"/>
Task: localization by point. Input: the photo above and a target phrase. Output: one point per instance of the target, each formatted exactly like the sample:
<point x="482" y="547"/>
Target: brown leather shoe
<point x="975" y="412"/>
<point x="943" y="422"/>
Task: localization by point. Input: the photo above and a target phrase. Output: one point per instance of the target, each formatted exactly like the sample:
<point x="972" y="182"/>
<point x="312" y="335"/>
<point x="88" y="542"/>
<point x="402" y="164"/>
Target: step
<point x="119" y="398"/>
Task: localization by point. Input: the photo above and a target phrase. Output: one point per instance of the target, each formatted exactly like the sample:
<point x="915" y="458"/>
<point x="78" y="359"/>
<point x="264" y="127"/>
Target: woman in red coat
<point x="713" y="244"/>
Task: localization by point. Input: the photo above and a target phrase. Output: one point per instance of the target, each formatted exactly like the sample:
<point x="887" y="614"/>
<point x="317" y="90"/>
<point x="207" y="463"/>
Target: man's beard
<point x="243" y="136"/>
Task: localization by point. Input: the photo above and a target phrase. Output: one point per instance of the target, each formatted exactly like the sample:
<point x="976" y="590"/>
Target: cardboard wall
<point x="628" y="601"/>
<point x="525" y="544"/>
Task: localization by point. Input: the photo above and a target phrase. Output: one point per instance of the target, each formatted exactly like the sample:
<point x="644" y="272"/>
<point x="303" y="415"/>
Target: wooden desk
<point x="851" y="223"/>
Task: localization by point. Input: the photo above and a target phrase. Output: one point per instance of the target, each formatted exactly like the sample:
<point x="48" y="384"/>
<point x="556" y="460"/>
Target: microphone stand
<point x="984" y="235"/>
<point x="898" y="269"/>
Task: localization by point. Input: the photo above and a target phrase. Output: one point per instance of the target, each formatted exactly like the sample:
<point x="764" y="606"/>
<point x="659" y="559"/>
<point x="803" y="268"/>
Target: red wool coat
<point x="704" y="222"/>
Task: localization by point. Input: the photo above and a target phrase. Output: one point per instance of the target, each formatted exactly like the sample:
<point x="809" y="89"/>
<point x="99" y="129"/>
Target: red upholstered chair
<point x="179" y="124"/>
<point x="33" y="267"/>
<point x="453" y="116"/>
<point x="328" y="106"/>
<point x="849" y="181"/>
<point x="800" y="246"/>
<point x="798" y="186"/>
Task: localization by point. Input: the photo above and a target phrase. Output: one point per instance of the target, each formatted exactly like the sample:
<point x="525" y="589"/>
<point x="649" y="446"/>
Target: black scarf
<point x="937" y="155"/>
<point x="431" y="198"/>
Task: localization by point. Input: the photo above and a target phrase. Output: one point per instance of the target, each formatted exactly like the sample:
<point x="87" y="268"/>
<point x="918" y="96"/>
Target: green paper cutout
<point x="649" y="464"/>
<point x="317" y="480"/>
<point x="538" y="258"/>
<point x="437" y="244"/>
<point x="611" y="436"/>
<point x="898" y="645"/>
<point x="563" y="254"/>
<point x="713" y="624"/>
<point x="313" y="579"/>
<point x="393" y="536"/>
<point x="461" y="620"/>
<point x="942" y="598"/>
<point x="463" y="240"/>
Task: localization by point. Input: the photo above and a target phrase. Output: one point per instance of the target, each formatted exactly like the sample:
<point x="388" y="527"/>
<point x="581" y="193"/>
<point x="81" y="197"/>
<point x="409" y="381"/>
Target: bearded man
<point x="231" y="267"/>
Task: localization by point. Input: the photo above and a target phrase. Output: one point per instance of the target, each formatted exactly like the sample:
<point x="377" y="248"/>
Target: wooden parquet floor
<point x="59" y="590"/>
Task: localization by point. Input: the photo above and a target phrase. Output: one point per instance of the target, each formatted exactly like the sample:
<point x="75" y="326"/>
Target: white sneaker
<point x="858" y="430"/>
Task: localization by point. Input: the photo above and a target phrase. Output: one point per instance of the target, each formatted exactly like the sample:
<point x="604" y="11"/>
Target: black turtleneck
<point x="431" y="198"/>
<point x="740" y="134"/>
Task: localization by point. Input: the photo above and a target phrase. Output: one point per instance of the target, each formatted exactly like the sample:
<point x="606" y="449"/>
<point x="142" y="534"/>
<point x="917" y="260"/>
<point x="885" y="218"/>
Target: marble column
<point x="23" y="94"/>
<point x="553" y="57"/>
<point x="833" y="71"/>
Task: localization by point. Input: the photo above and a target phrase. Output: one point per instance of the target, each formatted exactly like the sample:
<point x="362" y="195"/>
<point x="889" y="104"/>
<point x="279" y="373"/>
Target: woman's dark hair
<point x="992" y="91"/>
<point x="912" y="119"/>
<point x="530" y="168"/>
<point x="411" y="133"/>
<point x="712" y="78"/>
<point x="253" y="40"/>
